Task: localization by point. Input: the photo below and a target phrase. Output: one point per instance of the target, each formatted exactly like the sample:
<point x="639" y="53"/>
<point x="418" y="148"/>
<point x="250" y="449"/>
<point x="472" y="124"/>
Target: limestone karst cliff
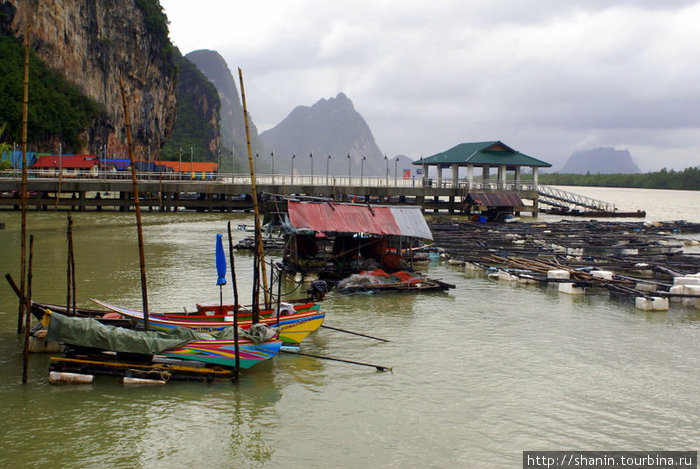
<point x="232" y="125"/>
<point x="94" y="43"/>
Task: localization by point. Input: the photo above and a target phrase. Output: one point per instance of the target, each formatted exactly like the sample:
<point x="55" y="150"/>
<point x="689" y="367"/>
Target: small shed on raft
<point x="495" y="206"/>
<point x="337" y="239"/>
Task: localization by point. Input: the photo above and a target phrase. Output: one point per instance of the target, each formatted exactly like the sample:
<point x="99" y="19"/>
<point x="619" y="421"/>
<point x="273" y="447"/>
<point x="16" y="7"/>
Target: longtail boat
<point x="181" y="343"/>
<point x="295" y="321"/>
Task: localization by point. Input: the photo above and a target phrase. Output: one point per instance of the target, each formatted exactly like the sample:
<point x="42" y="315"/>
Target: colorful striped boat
<point x="293" y="328"/>
<point x="223" y="352"/>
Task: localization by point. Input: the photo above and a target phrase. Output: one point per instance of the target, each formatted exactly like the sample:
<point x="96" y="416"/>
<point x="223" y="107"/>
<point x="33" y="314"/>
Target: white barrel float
<point x="654" y="303"/>
<point x="645" y="287"/>
<point x="141" y="381"/>
<point x="690" y="290"/>
<point x="558" y="274"/>
<point x="502" y="275"/>
<point x="60" y="377"/>
<point x="676" y="290"/>
<point x="687" y="280"/>
<point x="570" y="289"/>
<point x="602" y="274"/>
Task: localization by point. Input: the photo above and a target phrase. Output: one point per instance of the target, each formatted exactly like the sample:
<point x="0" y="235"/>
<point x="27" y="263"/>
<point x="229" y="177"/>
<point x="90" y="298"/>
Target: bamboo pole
<point x="68" y="263"/>
<point x="70" y="284"/>
<point x="23" y="185"/>
<point x="254" y="190"/>
<point x="27" y="316"/>
<point x="235" y="301"/>
<point x="137" y="207"/>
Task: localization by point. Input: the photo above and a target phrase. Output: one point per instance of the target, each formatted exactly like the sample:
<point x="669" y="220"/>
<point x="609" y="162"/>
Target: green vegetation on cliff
<point x="57" y="109"/>
<point x="156" y="22"/>
<point x="197" y="102"/>
<point x="687" y="179"/>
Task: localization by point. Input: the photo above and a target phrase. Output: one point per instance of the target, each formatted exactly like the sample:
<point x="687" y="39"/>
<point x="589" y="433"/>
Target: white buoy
<point x="645" y="287"/>
<point x="602" y="274"/>
<point x="141" y="381"/>
<point x="570" y="289"/>
<point x="654" y="303"/>
<point x="686" y="280"/>
<point x="60" y="377"/>
<point x="677" y="290"/>
<point x="558" y="274"/>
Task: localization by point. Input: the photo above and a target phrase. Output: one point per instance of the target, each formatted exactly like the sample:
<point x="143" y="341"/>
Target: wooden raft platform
<point x="159" y="369"/>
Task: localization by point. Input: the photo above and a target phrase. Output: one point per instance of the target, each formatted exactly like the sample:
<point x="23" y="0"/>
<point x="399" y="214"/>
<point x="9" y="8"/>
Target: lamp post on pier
<point x="272" y="157"/>
<point x="349" y="168"/>
<point x="386" y="160"/>
<point x="292" y="172"/>
<point x="311" y="156"/>
<point x="362" y="169"/>
<point x="396" y="170"/>
<point x="328" y="163"/>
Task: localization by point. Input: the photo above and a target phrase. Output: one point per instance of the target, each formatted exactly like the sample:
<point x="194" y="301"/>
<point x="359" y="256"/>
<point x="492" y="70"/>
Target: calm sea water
<point x="480" y="373"/>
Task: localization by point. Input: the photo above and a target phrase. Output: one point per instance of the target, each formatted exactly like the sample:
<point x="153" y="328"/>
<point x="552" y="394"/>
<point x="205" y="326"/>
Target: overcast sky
<point x="546" y="77"/>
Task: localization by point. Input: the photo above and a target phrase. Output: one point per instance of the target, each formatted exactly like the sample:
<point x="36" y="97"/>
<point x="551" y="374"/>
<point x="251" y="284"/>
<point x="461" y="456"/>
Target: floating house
<point x="334" y="240"/>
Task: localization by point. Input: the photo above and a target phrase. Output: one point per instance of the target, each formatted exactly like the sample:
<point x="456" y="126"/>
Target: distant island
<point x="687" y="179"/>
<point x="603" y="160"/>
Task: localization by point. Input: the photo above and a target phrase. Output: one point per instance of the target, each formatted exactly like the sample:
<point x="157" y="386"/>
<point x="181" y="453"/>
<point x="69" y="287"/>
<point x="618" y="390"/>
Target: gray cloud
<point x="547" y="78"/>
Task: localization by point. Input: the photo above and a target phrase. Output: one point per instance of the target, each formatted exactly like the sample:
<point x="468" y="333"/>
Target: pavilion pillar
<point x="517" y="177"/>
<point x="502" y="176"/>
<point x="425" y="174"/>
<point x="470" y="176"/>
<point x="534" y="177"/>
<point x="485" y="176"/>
<point x="455" y="176"/>
<point x="438" y="176"/>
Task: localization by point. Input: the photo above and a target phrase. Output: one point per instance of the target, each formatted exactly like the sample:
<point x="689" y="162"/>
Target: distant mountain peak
<point x="331" y="126"/>
<point x="602" y="160"/>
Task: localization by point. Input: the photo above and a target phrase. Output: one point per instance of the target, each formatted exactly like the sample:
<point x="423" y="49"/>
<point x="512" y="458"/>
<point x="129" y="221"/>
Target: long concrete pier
<point x="231" y="192"/>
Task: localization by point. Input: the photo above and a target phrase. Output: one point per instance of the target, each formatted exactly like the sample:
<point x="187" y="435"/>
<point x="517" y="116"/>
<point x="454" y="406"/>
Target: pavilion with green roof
<point x="484" y="155"/>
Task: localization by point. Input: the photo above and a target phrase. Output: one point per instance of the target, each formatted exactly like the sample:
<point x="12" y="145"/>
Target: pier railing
<point x="283" y="180"/>
<point x="564" y="199"/>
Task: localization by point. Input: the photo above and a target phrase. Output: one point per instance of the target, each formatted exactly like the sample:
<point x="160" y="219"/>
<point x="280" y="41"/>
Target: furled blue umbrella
<point x="220" y="270"/>
<point x="220" y="261"/>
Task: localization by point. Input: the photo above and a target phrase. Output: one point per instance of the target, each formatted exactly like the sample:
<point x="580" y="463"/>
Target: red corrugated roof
<point x="352" y="218"/>
<point x="67" y="162"/>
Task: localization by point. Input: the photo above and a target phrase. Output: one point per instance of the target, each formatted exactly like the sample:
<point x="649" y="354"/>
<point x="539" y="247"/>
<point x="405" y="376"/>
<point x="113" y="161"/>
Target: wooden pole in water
<point x="23" y="184"/>
<point x="235" y="301"/>
<point x="68" y="263"/>
<point x="253" y="188"/>
<point x="27" y="316"/>
<point x="352" y="362"/>
<point x="137" y="207"/>
<point x="71" y="268"/>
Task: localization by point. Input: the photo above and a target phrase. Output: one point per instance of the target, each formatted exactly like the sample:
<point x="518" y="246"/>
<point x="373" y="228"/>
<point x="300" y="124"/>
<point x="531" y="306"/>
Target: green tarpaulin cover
<point x="87" y="332"/>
